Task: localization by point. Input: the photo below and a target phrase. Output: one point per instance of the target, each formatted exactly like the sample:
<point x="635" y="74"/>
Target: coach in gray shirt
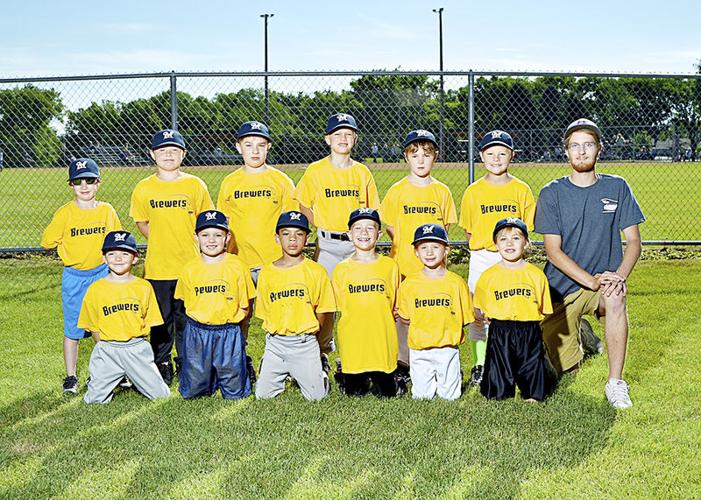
<point x="581" y="217"/>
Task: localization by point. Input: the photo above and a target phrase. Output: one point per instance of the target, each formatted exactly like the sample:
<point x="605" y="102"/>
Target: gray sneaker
<point x="591" y="344"/>
<point x="617" y="394"/>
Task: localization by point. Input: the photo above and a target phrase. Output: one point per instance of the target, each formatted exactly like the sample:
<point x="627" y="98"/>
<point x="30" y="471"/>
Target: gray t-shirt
<point x="589" y="220"/>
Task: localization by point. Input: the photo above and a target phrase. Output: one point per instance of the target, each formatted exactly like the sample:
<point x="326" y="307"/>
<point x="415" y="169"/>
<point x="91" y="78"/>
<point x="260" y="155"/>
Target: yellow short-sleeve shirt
<point x="520" y="294"/>
<point x="290" y="297"/>
<point x="405" y="207"/>
<point x="365" y="296"/>
<point x="332" y="193"/>
<point x="171" y="209"/>
<point x="120" y="311"/>
<point x="484" y="204"/>
<point x="437" y="309"/>
<point x="253" y="202"/>
<point x="216" y="293"/>
<point x="77" y="233"/>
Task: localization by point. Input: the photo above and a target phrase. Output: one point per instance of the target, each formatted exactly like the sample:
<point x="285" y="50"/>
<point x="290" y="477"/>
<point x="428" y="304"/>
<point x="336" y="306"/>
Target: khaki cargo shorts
<point x="561" y="329"/>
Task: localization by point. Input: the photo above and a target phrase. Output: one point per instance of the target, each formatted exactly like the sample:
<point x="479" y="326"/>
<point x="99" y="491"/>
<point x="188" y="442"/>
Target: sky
<point x="48" y="38"/>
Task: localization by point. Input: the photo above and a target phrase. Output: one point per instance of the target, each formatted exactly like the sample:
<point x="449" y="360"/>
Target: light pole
<point x="267" y="98"/>
<point x="439" y="11"/>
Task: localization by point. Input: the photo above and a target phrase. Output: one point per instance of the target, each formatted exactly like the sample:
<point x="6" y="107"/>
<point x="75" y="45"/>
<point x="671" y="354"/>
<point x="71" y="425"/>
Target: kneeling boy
<point x="216" y="288"/>
<point x="295" y="299"/>
<point x="365" y="285"/>
<point x="119" y="310"/>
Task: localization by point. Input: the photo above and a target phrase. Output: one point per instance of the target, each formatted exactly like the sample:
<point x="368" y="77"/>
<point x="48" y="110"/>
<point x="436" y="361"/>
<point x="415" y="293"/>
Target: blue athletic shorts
<point x="74" y="284"/>
<point x="214" y="357"/>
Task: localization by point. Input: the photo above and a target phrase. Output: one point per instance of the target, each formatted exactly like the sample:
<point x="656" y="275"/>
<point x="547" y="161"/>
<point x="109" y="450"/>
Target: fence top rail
<point x="207" y="74"/>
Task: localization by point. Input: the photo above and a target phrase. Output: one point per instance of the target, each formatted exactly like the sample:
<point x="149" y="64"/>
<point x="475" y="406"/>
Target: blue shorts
<point x="214" y="357"/>
<point x="74" y="285"/>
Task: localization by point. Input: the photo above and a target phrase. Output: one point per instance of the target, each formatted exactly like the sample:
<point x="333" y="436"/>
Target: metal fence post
<point x="471" y="126"/>
<point x="173" y="102"/>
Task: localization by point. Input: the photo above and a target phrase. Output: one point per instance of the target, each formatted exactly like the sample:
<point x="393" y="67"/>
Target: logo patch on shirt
<point x="609" y="205"/>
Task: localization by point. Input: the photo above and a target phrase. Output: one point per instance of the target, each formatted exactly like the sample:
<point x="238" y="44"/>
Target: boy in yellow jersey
<point x="216" y="289"/>
<point x="253" y="197"/>
<point x="119" y="311"/>
<point x="365" y="285"/>
<point x="164" y="207"/>
<point x="436" y="303"/>
<point x="333" y="187"/>
<point x="417" y="199"/>
<point x="496" y="195"/>
<point x="295" y="300"/>
<point x="76" y="231"/>
<point x="514" y="296"/>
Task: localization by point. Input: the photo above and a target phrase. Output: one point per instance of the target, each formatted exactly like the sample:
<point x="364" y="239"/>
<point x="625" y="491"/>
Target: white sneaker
<point x="617" y="394"/>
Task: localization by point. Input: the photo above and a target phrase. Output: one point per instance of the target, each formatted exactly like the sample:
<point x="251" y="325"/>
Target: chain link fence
<point x="651" y="123"/>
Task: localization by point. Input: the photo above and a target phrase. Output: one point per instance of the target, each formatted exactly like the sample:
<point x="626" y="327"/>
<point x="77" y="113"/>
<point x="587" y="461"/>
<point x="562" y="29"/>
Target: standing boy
<point x="76" y="231"/>
<point x="365" y="285"/>
<point x="164" y="207"/>
<point x="581" y="217"/>
<point x="119" y="310"/>
<point x="513" y="297"/>
<point x="496" y="195"/>
<point x="416" y="199"/>
<point x="436" y="303"/>
<point x="216" y="288"/>
<point x="295" y="300"/>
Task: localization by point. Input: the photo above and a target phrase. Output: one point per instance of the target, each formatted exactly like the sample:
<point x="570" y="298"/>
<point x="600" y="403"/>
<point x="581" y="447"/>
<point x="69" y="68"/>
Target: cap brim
<point x="120" y="247"/>
<point x="209" y="226"/>
<point x="296" y="226"/>
<point x="344" y="125"/>
<point x="257" y="134"/>
<point x="362" y="217"/>
<point x="432" y="238"/>
<point x="164" y="144"/>
<point x="496" y="143"/>
<point x="86" y="175"/>
<point x="591" y="129"/>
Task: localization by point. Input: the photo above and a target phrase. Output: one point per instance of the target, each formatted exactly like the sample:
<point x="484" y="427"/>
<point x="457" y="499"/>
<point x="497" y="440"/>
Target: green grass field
<point x="573" y="446"/>
<point x="667" y="192"/>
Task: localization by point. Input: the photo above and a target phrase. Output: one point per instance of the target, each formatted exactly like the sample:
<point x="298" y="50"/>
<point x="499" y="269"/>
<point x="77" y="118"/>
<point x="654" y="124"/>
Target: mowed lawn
<point x="573" y="446"/>
<point x="667" y="192"/>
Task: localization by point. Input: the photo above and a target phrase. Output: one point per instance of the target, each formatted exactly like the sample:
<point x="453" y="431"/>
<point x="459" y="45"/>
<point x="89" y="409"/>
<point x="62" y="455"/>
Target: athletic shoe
<point x="325" y="364"/>
<point x="125" y="383"/>
<point x="166" y="371"/>
<point x="591" y="344"/>
<point x="251" y="369"/>
<point x="617" y="394"/>
<point x="402" y="375"/>
<point x="339" y="378"/>
<point x="476" y="375"/>
<point x="70" y="385"/>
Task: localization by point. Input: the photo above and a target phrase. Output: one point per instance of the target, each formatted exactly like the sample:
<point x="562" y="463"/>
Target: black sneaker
<point x="166" y="371"/>
<point x="476" y="375"/>
<point x="251" y="369"/>
<point x="339" y="378"/>
<point x="325" y="364"/>
<point x="591" y="344"/>
<point x="125" y="383"/>
<point x="70" y="385"/>
<point x="402" y="375"/>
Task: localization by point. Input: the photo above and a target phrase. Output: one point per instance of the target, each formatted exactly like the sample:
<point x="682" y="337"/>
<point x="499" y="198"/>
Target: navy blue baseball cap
<point x="363" y="213"/>
<point x="510" y="222"/>
<point x="211" y="218"/>
<point x="496" y="138"/>
<point x="430" y="232"/>
<point x="119" y="240"/>
<point x="341" y="120"/>
<point x="292" y="219"/>
<point x="253" y="128"/>
<point x="167" y="137"/>
<point x="83" y="168"/>
<point x="420" y="135"/>
<point x="583" y="124"/>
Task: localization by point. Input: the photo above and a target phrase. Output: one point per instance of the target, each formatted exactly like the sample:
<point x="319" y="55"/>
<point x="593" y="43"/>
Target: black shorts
<point x="516" y="357"/>
<point x="379" y="383"/>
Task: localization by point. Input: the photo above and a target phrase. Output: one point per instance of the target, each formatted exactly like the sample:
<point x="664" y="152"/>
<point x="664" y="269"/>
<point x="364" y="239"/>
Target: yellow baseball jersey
<point x="77" y="233"/>
<point x="407" y="206"/>
<point x="120" y="311"/>
<point x="484" y="204"/>
<point x="519" y="294"/>
<point x="253" y="203"/>
<point x="216" y="293"/>
<point x="365" y="296"/>
<point x="332" y="193"/>
<point x="437" y="309"/>
<point x="289" y="298"/>
<point x="171" y="209"/>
